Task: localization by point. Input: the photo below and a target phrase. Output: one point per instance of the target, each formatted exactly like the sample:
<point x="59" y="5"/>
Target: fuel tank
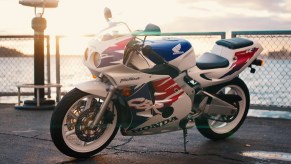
<point x="178" y="52"/>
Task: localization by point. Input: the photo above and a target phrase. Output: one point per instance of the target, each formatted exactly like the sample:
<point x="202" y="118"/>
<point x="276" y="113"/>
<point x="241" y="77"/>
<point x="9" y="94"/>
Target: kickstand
<point x="185" y="134"/>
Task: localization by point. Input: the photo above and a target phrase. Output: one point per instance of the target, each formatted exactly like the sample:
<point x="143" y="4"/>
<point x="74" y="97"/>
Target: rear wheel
<point x="70" y="122"/>
<point x="214" y="129"/>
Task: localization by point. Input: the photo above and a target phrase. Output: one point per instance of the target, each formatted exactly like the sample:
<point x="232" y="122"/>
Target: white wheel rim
<point x="223" y="127"/>
<point x="70" y="137"/>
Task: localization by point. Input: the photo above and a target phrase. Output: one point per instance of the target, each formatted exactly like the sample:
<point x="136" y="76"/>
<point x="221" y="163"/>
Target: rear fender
<point x="94" y="87"/>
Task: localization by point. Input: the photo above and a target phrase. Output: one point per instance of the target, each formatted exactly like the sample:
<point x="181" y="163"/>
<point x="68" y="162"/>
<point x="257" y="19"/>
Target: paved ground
<point x="25" y="138"/>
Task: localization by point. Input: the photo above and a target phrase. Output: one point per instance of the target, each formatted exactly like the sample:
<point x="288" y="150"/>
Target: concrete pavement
<point x="25" y="138"/>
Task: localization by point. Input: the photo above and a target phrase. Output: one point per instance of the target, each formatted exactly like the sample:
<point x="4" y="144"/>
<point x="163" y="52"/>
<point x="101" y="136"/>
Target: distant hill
<point x="281" y="55"/>
<point x="9" y="52"/>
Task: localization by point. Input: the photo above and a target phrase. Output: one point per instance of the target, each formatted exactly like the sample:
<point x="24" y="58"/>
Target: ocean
<point x="269" y="86"/>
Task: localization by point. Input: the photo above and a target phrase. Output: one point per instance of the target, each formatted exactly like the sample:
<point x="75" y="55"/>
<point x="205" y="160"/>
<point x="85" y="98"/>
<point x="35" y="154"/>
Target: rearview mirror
<point x="152" y="29"/>
<point x="107" y="13"/>
<point x="40" y="3"/>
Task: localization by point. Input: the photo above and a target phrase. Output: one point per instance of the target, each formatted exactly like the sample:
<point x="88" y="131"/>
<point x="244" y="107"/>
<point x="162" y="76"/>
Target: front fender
<point x="94" y="87"/>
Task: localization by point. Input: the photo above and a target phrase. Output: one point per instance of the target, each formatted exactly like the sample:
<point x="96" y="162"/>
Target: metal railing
<point x="270" y="86"/>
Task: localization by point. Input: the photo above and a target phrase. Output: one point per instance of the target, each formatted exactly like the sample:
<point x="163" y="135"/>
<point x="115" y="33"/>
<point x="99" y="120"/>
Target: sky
<point x="79" y="17"/>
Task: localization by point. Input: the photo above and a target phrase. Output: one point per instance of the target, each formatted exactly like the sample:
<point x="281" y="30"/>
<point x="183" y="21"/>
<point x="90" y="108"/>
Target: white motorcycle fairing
<point x="105" y="53"/>
<point x="94" y="87"/>
<point x="157" y="105"/>
<point x="238" y="59"/>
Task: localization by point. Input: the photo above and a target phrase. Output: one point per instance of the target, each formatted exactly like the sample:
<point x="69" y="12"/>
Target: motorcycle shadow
<point x="168" y="148"/>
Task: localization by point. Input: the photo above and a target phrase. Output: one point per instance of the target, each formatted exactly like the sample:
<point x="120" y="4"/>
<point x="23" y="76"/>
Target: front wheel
<point x="70" y="123"/>
<point x="217" y="130"/>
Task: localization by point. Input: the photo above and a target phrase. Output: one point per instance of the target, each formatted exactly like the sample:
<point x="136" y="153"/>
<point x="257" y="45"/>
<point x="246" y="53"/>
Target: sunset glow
<point x="76" y="17"/>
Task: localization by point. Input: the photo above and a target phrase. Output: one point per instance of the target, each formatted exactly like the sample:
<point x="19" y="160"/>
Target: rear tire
<point x="64" y="122"/>
<point x="216" y="130"/>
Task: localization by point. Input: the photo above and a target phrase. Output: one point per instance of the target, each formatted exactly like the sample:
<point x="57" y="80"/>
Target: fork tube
<point x="103" y="107"/>
<point x="128" y="59"/>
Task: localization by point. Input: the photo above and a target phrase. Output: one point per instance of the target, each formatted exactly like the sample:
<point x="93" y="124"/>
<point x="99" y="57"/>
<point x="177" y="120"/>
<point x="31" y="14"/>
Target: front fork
<point x="103" y="107"/>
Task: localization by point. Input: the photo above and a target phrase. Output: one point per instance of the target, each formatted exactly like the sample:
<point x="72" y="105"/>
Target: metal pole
<point x="18" y="88"/>
<point x="223" y="36"/>
<point x="39" y="25"/>
<point x="58" y="78"/>
<point x="48" y="62"/>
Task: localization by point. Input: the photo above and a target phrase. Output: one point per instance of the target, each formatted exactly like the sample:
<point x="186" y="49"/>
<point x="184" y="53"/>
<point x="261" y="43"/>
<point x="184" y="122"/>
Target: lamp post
<point x="38" y="24"/>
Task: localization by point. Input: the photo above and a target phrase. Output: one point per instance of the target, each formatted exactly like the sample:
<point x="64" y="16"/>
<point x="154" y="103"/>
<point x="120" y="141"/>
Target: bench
<point x="37" y="87"/>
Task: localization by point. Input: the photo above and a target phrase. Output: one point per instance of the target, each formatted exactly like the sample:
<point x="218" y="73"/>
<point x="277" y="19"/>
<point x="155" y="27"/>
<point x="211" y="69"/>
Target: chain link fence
<point x="70" y="52"/>
<point x="17" y="63"/>
<point x="270" y="86"/>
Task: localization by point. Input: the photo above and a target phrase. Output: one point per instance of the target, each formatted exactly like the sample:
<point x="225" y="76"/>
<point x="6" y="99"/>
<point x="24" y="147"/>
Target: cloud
<point x="277" y="6"/>
<point x="229" y="15"/>
<point x="232" y="23"/>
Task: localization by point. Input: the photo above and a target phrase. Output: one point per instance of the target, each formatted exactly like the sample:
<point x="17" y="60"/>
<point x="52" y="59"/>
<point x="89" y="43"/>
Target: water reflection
<point x="268" y="155"/>
<point x="270" y="114"/>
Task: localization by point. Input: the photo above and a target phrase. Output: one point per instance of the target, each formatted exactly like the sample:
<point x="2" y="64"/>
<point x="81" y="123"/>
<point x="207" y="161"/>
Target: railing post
<point x="58" y="63"/>
<point x="223" y="35"/>
<point x="48" y="62"/>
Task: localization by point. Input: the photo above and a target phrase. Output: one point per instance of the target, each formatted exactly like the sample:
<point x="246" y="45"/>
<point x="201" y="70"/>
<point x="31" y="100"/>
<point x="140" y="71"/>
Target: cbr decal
<point x="167" y="91"/>
<point x="242" y="58"/>
<point x="144" y="105"/>
<point x="153" y="99"/>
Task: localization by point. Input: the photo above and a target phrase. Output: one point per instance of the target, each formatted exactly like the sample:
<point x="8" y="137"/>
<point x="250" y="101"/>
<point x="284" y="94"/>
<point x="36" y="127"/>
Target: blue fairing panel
<point x="170" y="48"/>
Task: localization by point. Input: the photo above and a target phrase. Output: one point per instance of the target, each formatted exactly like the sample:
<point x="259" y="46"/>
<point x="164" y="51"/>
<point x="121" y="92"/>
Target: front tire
<point x="217" y="130"/>
<point x="69" y="122"/>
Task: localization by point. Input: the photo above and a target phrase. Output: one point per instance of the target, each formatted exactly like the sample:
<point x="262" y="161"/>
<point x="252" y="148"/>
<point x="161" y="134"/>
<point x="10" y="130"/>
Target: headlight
<point x="86" y="54"/>
<point x="96" y="58"/>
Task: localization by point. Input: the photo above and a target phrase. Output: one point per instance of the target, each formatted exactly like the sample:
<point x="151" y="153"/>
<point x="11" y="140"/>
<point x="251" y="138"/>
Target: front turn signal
<point x="127" y="91"/>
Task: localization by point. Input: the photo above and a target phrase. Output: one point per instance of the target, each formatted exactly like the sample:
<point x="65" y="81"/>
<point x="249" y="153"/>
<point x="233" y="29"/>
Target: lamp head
<point x="40" y="3"/>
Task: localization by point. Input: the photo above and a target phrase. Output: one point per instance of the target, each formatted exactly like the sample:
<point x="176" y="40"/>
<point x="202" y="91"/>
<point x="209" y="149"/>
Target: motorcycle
<point x="145" y="87"/>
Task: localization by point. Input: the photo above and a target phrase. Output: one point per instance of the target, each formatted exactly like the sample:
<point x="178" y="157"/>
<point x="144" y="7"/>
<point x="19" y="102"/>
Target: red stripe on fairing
<point x="161" y="86"/>
<point x="169" y="87"/>
<point x="242" y="58"/>
<point x="159" y="82"/>
<point x="175" y="98"/>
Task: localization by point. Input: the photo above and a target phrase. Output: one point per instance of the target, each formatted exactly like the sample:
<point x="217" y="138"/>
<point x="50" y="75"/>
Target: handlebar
<point x="152" y="55"/>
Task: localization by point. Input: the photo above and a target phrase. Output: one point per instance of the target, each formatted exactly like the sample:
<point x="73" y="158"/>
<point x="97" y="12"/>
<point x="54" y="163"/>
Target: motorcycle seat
<point x="211" y="61"/>
<point x="235" y="43"/>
